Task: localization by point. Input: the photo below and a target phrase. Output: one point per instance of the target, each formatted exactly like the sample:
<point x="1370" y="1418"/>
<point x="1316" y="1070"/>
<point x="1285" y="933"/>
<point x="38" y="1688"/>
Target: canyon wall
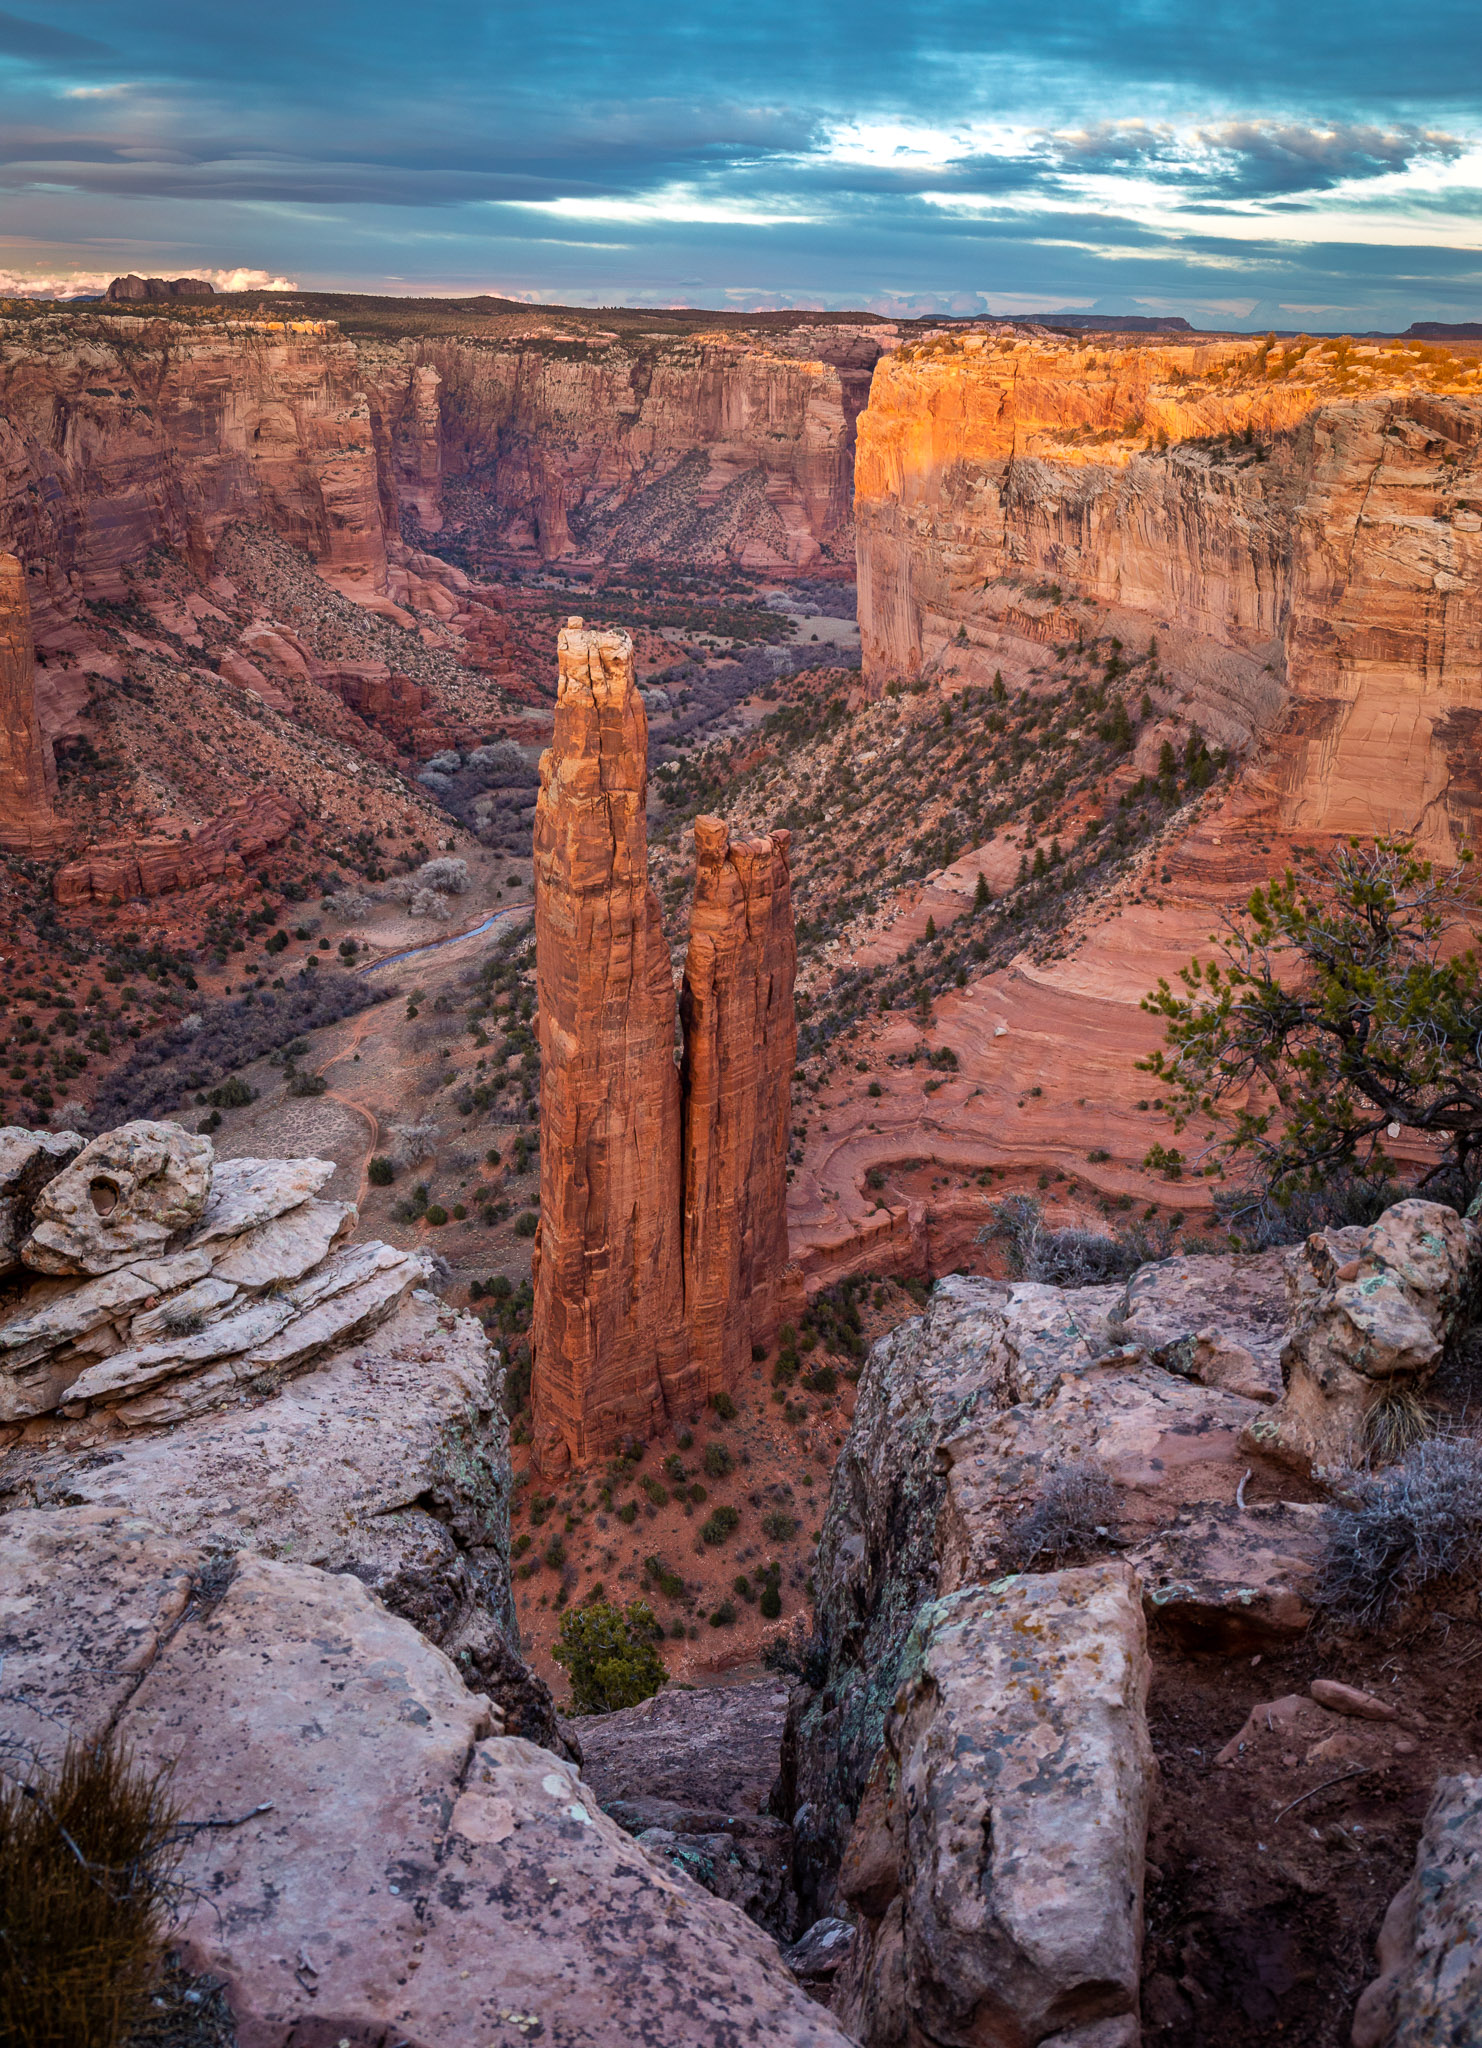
<point x="27" y="770"/>
<point x="120" y="430"/>
<point x="662" y="1249"/>
<point x="718" y="447"/>
<point x="1301" y="529"/>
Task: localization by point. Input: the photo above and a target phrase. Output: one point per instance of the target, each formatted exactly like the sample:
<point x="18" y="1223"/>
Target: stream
<point x="452" y="939"/>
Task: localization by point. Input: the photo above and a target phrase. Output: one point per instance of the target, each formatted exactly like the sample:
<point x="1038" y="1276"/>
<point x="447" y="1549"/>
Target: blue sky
<point x="1245" y="165"/>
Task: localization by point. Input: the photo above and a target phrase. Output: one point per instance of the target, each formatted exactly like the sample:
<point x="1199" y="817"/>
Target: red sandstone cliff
<point x="27" y="823"/>
<point x="740" y="1047"/>
<point x="608" y="1334"/>
<point x="1319" y="583"/>
<point x="158" y="867"/>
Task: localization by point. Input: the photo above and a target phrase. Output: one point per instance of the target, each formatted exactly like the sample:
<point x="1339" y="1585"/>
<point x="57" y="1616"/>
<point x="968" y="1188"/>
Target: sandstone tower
<point x="27" y="775"/>
<point x="663" y="1233"/>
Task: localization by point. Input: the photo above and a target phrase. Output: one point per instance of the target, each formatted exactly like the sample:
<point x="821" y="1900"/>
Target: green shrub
<point x="380" y="1173"/>
<point x="627" y="1514"/>
<point x="770" y="1604"/>
<point x="724" y="1615"/>
<point x="778" y="1527"/>
<point x="822" y="1380"/>
<point x="436" y="1214"/>
<point x="555" y="1553"/>
<point x="719" y="1524"/>
<point x="609" y="1656"/>
<point x="697" y="1493"/>
<point x="656" y="1492"/>
<point x="527" y="1224"/>
<point x="307" y="1084"/>
<point x="723" y="1406"/>
<point x="86" y="1858"/>
<point x="232" y="1094"/>
<point x="717" y="1461"/>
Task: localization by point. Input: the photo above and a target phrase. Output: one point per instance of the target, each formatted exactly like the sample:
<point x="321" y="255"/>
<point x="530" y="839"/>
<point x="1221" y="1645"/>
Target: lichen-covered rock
<point x="1017" y="1775"/>
<point x="123" y="1197"/>
<point x="28" y="1160"/>
<point x="1429" y="1990"/>
<point x="408" y="1873"/>
<point x="1367" y="1330"/>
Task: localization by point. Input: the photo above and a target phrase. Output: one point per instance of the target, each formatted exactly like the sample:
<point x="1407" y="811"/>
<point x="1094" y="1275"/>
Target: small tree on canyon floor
<point x="609" y="1655"/>
<point x="1343" y="1008"/>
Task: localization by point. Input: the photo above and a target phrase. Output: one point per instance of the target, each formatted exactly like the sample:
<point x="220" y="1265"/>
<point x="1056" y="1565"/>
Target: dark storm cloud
<point x="847" y="149"/>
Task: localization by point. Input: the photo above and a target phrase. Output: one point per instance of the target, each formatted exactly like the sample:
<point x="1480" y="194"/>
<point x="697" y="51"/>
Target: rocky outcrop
<point x="608" y="1332"/>
<point x="462" y="1888"/>
<point x="996" y="1865"/>
<point x="204" y="1279"/>
<point x="154" y="866"/>
<point x="27" y="771"/>
<point x="133" y="290"/>
<point x="28" y="1160"/>
<point x="689" y="1775"/>
<point x="740" y="1047"/>
<point x="1370" y="1323"/>
<point x="1032" y="1476"/>
<point x="1429" y="1990"/>
<point x="663" y="1233"/>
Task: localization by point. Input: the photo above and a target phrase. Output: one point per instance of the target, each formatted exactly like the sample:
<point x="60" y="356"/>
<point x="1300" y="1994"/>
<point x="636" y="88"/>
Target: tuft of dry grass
<point x="87" y="1856"/>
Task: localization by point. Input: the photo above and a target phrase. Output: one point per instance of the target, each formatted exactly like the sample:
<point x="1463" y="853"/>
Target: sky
<point x="1252" y="165"/>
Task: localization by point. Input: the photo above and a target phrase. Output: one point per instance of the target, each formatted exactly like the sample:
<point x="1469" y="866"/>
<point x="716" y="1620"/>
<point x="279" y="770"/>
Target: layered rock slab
<point x="608" y="1330"/>
<point x="416" y="1877"/>
<point x="997" y="1861"/>
<point x="740" y="1048"/>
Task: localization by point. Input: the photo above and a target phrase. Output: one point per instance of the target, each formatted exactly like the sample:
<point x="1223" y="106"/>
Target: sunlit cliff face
<point x="1298" y="523"/>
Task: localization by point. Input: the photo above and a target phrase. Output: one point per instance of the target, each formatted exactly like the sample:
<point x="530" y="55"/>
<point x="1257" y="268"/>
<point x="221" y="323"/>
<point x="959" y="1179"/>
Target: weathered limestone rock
<point x="28" y="1160"/>
<point x="608" y="1335"/>
<point x="246" y="1192"/>
<point x="740" y="1047"/>
<point x="1429" y="1991"/>
<point x="123" y="1197"/>
<point x="418" y="1877"/>
<point x="1367" y="1331"/>
<point x="27" y="772"/>
<point x="1009" y="1823"/>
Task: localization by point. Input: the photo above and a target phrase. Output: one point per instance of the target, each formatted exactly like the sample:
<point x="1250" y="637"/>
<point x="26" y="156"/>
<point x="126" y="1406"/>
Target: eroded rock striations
<point x="27" y="772"/>
<point x="663" y="1234"/>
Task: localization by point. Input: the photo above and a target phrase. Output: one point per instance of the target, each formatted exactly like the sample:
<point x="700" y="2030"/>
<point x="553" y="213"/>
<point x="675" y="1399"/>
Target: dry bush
<point x="349" y="903"/>
<point x="87" y="1855"/>
<point x="429" y="903"/>
<point x="447" y="875"/>
<point x="407" y="1144"/>
<point x="1074" y="1515"/>
<point x="1066" y="1258"/>
<point x="1398" y="1531"/>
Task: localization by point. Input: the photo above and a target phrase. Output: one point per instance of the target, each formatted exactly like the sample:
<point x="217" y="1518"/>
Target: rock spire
<point x="663" y="1231"/>
<point x="609" y="1296"/>
<point x="740" y="1046"/>
<point x="27" y="775"/>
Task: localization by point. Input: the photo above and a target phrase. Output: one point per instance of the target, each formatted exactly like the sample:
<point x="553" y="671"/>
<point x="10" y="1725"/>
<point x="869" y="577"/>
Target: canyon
<point x="416" y="963"/>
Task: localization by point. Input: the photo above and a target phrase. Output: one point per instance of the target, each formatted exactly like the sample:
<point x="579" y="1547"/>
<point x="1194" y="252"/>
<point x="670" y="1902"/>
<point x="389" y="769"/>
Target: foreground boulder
<point x="1429" y="1991"/>
<point x="407" y="1872"/>
<point x="1370" y="1326"/>
<point x="997" y="1861"/>
<point x="177" y="1283"/>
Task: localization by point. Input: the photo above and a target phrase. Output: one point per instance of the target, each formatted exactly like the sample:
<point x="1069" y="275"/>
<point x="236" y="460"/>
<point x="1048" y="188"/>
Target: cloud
<point x="38" y="41"/>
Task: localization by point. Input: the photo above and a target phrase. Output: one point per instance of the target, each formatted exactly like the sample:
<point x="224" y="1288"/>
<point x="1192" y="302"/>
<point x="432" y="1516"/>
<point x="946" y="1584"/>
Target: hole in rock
<point x="104" y="1196"/>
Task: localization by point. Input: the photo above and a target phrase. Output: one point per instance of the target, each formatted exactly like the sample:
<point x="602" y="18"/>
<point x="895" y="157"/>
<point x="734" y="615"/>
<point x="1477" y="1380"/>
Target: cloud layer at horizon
<point x="1252" y="166"/>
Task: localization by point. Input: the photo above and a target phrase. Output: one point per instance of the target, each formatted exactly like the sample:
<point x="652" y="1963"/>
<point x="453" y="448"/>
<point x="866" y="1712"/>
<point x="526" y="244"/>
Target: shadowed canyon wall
<point x="663" y="1236"/>
<point x="27" y="770"/>
<point x="1301" y="528"/>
